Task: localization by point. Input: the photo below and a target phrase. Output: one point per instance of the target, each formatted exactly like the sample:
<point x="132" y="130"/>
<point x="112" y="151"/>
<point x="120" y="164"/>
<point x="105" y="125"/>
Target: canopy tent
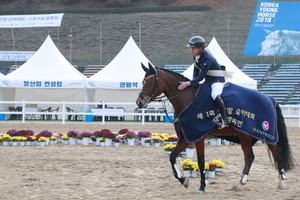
<point x="238" y="77"/>
<point x="121" y="79"/>
<point x="46" y="76"/>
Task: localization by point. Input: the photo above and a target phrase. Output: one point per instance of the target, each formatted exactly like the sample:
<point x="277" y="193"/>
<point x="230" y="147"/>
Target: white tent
<point x="121" y="79"/>
<point x="1" y="75"/>
<point x="238" y="77"/>
<point x="46" y="76"/>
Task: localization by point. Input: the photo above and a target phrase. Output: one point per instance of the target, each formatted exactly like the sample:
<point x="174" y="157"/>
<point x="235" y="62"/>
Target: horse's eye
<point x="144" y="82"/>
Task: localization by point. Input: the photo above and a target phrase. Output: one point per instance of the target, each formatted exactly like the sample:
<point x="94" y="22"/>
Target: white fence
<point x="85" y="109"/>
<point x="289" y="111"/>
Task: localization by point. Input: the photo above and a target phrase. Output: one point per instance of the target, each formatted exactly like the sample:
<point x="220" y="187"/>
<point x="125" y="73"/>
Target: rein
<point x="161" y="98"/>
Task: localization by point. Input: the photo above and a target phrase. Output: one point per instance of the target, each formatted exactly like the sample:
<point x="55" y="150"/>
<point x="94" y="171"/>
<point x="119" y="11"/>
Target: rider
<point x="203" y="62"/>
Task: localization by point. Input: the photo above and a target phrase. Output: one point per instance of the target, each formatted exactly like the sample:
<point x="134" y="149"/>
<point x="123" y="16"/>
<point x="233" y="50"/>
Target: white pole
<point x="140" y="35"/>
<point x="228" y="38"/>
<point x="100" y="45"/>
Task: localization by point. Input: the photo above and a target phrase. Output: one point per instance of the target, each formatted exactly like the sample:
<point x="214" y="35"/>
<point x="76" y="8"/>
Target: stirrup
<point x="222" y="125"/>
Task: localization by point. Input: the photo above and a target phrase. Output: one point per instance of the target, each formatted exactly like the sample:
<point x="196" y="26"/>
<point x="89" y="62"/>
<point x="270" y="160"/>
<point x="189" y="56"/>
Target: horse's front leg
<point x="181" y="145"/>
<point x="201" y="163"/>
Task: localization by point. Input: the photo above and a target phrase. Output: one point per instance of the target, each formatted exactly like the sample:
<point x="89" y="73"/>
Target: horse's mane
<point x="174" y="73"/>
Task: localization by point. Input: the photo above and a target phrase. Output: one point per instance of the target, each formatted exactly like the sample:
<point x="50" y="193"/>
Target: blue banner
<point x="274" y="30"/>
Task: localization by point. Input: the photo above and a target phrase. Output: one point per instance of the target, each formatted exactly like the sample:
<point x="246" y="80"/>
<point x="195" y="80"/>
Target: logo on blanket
<point x="265" y="126"/>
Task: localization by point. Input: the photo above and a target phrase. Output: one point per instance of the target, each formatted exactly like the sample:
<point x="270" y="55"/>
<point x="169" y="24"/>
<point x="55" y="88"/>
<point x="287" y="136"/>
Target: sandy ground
<point x="93" y="172"/>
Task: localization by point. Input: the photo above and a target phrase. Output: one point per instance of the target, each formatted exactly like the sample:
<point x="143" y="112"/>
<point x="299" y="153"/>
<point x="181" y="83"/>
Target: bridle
<point x="156" y="86"/>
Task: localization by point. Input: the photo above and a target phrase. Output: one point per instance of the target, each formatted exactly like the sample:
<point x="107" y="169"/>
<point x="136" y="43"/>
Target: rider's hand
<point x="183" y="85"/>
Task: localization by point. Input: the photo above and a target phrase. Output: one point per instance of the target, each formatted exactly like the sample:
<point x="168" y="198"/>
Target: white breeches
<point x="216" y="89"/>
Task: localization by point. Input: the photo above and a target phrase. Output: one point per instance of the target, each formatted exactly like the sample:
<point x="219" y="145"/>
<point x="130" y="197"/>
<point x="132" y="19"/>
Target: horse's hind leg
<point x="278" y="162"/>
<point x="246" y="144"/>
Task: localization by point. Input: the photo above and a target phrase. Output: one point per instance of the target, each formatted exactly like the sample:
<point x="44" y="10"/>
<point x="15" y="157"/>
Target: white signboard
<point x="16" y="55"/>
<point x="25" y="21"/>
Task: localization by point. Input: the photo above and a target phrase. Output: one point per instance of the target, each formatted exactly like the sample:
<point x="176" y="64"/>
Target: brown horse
<point x="158" y="81"/>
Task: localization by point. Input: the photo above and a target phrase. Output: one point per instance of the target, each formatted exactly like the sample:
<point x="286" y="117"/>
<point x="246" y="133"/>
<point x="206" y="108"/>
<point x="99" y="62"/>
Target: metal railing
<point x="86" y="111"/>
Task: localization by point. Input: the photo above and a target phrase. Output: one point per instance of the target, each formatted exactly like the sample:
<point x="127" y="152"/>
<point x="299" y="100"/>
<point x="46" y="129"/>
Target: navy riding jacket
<point x="206" y="62"/>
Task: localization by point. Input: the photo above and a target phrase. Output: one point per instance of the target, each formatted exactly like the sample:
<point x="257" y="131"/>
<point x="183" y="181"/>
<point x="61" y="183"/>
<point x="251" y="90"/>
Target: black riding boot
<point x="221" y="107"/>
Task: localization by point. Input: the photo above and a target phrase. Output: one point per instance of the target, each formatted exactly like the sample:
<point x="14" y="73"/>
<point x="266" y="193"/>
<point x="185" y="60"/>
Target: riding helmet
<point x="196" y="42"/>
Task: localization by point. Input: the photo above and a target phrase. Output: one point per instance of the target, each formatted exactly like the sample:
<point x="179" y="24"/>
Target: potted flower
<point x="72" y="137"/>
<point x="130" y="136"/>
<point x="156" y="141"/>
<point x="102" y="142"/>
<point x="117" y="141"/>
<point x="220" y="165"/>
<point x="72" y="134"/>
<point x="190" y="151"/>
<point x="142" y="135"/>
<point x="15" y="140"/>
<point x="25" y="132"/>
<point x="211" y="170"/>
<point x="45" y="133"/>
<point x="5" y="138"/>
<point x="123" y="131"/>
<point x="147" y="141"/>
<point x="12" y="132"/>
<point x="22" y="140"/>
<point x="53" y="139"/>
<point x="65" y="138"/>
<point x="187" y="166"/>
<point x="29" y="140"/>
<point x="171" y="140"/>
<point x="195" y="169"/>
<point x="169" y="148"/>
<point x="42" y="141"/>
<point x="85" y="138"/>
<point x="109" y="136"/>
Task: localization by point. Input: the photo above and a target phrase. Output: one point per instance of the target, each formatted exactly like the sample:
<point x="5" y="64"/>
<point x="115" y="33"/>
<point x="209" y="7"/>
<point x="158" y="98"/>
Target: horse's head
<point x="150" y="88"/>
<point x="274" y="44"/>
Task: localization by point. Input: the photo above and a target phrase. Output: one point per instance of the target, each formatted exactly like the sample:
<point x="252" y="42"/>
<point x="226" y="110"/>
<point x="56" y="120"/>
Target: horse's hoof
<point x="186" y="182"/>
<point x="201" y="191"/>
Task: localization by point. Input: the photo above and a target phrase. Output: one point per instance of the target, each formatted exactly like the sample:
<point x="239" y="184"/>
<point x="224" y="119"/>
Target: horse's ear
<point x="152" y="68"/>
<point x="144" y="67"/>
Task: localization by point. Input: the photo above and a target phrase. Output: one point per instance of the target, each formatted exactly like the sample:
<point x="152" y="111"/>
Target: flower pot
<point x="52" y="142"/>
<point x="79" y="141"/>
<point x="212" y="141"/>
<point x="187" y="173"/>
<point x="15" y="143"/>
<point x="72" y="141"/>
<point x="97" y="141"/>
<point x="194" y="174"/>
<point x="147" y="144"/>
<point x="143" y="141"/>
<point x="108" y="142"/>
<point x="218" y="171"/>
<point x="168" y="153"/>
<point x="22" y="143"/>
<point x="28" y="143"/>
<point x="47" y="142"/>
<point x="85" y="141"/>
<point x="102" y="144"/>
<point x="116" y="144"/>
<point x="156" y="144"/>
<point x="211" y="174"/>
<point x="218" y="141"/>
<point x="226" y="142"/>
<point x="65" y="141"/>
<point x="189" y="152"/>
<point x="131" y="142"/>
<point x="42" y="144"/>
<point x="5" y="143"/>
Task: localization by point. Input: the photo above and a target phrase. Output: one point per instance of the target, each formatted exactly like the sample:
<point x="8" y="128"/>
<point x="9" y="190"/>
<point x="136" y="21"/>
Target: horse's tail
<point x="283" y="148"/>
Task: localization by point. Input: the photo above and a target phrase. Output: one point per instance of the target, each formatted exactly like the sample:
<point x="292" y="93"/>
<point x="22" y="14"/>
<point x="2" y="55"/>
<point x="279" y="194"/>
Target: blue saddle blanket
<point x="249" y="112"/>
